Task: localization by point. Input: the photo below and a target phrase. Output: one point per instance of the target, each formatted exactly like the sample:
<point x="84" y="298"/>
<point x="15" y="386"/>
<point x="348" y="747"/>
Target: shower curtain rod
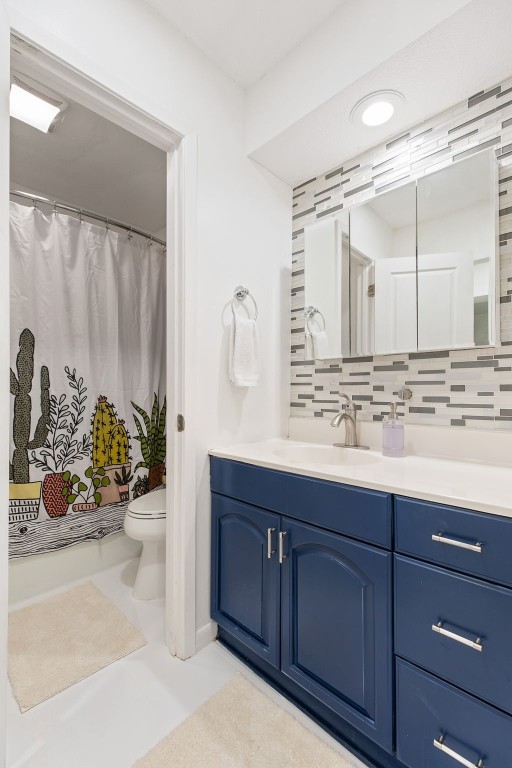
<point x="88" y="215"/>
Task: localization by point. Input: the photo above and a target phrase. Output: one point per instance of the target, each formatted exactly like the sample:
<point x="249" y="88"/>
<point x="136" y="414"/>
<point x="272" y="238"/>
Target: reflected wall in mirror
<point x="456" y="255"/>
<point x="383" y="274"/>
<point x="326" y="291"/>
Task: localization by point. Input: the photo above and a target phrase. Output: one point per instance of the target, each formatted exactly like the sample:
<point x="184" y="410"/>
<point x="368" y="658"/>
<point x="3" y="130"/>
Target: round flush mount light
<point x="377" y="108"/>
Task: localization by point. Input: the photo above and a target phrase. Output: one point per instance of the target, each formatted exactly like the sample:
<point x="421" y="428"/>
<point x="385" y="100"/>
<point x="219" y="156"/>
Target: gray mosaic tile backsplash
<point x="463" y="388"/>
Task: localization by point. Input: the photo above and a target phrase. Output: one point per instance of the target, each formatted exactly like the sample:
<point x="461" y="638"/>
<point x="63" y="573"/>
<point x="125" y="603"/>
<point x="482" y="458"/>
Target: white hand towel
<point x="308" y="346"/>
<point x="244" y="352"/>
<point x="320" y="345"/>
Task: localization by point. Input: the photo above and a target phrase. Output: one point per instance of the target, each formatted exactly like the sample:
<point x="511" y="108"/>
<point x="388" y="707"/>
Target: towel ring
<point x="240" y="294"/>
<point x="310" y="313"/>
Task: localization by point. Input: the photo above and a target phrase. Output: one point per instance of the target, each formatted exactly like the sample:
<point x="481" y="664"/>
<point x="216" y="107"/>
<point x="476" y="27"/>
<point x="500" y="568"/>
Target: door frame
<point x="181" y="223"/>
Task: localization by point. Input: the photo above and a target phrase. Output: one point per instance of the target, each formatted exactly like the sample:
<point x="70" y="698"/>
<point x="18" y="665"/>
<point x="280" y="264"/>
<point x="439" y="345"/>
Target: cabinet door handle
<point x="270" y="551"/>
<point x="476" y="644"/>
<point x="477" y="547"/>
<point x="440" y="743"/>
<point x="282" y="555"/>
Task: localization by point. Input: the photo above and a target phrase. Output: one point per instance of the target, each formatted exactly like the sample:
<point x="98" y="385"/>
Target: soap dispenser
<point x="393" y="438"/>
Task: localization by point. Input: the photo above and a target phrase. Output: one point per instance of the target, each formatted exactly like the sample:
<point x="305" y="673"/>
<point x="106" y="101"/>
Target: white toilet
<point x="145" y="521"/>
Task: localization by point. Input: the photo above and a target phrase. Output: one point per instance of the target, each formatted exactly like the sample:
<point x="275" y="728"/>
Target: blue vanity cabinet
<point x="336" y="625"/>
<point x="298" y="583"/>
<point x="245" y="580"/>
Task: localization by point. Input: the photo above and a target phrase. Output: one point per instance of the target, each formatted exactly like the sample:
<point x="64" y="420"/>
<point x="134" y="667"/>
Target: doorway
<point x="181" y="153"/>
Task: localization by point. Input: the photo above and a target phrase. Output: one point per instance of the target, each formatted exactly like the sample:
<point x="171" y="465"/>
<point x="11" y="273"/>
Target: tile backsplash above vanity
<point x="463" y="388"/>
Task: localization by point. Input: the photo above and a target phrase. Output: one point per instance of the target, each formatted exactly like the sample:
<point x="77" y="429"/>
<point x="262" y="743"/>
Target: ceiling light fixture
<point x="38" y="109"/>
<point x="376" y="108"/>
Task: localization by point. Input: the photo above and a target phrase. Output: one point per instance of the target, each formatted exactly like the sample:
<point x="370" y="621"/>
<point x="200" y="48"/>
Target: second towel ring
<point x="240" y="294"/>
<point x="310" y="313"/>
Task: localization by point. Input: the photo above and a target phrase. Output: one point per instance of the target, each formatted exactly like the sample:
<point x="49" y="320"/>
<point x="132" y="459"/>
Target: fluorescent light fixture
<point x="33" y="108"/>
<point x="378" y="113"/>
<point x="376" y="108"/>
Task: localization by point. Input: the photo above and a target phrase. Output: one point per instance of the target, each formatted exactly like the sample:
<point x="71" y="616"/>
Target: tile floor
<point x="115" y="716"/>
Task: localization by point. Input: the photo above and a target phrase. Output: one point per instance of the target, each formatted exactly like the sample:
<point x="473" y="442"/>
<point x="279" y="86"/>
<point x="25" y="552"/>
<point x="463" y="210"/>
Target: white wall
<point x="243" y="211"/>
<point x="370" y="234"/>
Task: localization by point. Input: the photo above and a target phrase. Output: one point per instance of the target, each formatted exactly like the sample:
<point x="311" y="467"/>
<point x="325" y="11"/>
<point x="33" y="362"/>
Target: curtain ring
<point x="55" y="207"/>
<point x="34" y="203"/>
<point x="130" y="233"/>
<point x="80" y="218"/>
<point x="107" y="225"/>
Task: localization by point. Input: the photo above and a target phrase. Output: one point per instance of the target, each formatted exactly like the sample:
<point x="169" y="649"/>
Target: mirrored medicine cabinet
<point x="413" y="269"/>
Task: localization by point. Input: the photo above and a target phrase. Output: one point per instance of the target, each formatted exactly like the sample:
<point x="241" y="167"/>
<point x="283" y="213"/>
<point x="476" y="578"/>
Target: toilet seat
<point x="151" y="505"/>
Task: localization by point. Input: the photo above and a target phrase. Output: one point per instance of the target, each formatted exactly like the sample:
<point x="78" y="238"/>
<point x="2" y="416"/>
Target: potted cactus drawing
<point x="24" y="496"/>
<point x="62" y="446"/>
<point x="123" y="479"/>
<point x="110" y="448"/>
<point x="153" y="441"/>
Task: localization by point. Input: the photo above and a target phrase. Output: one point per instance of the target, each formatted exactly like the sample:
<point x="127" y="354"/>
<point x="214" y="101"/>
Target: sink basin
<point x="326" y="454"/>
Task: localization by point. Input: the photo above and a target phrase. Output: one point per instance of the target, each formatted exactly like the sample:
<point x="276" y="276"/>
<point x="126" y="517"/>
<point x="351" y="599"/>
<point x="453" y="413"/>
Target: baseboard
<point x="205" y="635"/>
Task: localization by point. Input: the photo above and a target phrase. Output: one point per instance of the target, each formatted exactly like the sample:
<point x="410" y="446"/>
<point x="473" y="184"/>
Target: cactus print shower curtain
<point x="87" y="378"/>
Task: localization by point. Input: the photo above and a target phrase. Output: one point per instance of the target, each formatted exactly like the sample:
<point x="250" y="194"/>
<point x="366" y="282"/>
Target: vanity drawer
<point x="429" y="710"/>
<point x="425" y="596"/>
<point x="473" y="542"/>
<point x="356" y="512"/>
<point x="246" y="482"/>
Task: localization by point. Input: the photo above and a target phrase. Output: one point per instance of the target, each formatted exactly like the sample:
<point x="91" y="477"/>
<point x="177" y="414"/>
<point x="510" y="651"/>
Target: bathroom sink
<point x="326" y="454"/>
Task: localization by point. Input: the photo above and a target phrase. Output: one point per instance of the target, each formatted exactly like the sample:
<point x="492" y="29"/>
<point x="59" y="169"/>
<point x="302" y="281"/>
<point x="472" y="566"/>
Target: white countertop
<point x="473" y="485"/>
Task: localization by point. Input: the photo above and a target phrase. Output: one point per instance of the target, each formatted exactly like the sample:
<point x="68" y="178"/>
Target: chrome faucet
<point x="349" y="416"/>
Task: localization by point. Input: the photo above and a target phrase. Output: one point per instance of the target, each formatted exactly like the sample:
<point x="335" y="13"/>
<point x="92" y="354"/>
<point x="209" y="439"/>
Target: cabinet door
<point x="245" y="581"/>
<point x="336" y="625"/>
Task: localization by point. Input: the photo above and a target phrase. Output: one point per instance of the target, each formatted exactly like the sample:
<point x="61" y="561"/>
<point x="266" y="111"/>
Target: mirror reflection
<point x="326" y="288"/>
<point x="383" y="273"/>
<point x="412" y="269"/>
<point x="456" y="247"/>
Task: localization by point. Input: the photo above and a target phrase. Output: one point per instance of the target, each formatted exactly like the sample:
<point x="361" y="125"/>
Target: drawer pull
<point x="455" y="543"/>
<point x="476" y="644"/>
<point x="270" y="551"/>
<point x="440" y="744"/>
<point x="282" y="555"/>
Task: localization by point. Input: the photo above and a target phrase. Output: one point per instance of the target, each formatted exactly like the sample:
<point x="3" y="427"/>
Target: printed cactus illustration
<point x="140" y="487"/>
<point x="110" y="440"/>
<point x="119" y="446"/>
<point x="21" y="387"/>
<point x="103" y="421"/>
<point x="153" y="441"/>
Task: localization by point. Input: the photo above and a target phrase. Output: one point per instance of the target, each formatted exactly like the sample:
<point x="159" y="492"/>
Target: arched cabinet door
<point x="245" y="580"/>
<point x="336" y="625"/>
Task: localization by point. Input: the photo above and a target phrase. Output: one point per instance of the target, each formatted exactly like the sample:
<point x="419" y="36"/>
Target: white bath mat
<point x="57" y="642"/>
<point x="241" y="727"/>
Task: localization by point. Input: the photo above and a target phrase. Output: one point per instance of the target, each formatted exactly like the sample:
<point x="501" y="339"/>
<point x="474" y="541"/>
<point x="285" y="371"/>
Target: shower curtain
<point x="87" y="377"/>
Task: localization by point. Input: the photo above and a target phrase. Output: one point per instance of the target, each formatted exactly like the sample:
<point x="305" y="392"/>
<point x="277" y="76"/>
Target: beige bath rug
<point x="242" y="728"/>
<point x="57" y="642"/>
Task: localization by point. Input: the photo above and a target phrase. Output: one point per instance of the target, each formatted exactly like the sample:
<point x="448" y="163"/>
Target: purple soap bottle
<point x="393" y="437"/>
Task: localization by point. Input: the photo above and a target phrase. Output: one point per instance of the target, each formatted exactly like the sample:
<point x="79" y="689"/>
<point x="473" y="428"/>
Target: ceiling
<point x="246" y="39"/>
<point x="304" y="65"/>
<point x="436" y="71"/>
<point x="91" y="163"/>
